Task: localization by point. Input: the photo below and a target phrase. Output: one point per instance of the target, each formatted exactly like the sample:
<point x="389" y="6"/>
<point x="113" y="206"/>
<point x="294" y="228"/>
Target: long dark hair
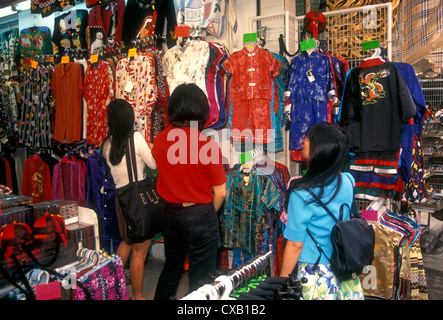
<point x="120" y="117"/>
<point x="329" y="147"/>
<point x="188" y="103"/>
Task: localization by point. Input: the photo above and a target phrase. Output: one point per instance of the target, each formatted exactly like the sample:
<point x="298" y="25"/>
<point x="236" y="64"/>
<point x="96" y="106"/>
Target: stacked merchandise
<point x="27" y="244"/>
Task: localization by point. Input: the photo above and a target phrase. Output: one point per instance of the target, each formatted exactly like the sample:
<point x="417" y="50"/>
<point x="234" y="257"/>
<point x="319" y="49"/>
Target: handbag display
<point x="139" y="200"/>
<point x="352" y="241"/>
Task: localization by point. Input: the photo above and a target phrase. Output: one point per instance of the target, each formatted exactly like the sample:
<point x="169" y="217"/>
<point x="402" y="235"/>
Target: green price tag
<point x="308" y="44"/>
<point x="369" y="45"/>
<point x="249" y="37"/>
<point x="245" y="157"/>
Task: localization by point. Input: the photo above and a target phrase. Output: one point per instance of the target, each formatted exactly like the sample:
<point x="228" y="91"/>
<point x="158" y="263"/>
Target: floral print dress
<point x="136" y="83"/>
<point x="323" y="285"/>
<point x="99" y="84"/>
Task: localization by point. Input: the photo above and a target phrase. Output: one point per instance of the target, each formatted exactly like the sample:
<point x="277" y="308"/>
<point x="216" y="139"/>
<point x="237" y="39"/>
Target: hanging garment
<point x="144" y="18"/>
<point x="8" y="47"/>
<point x="220" y="86"/>
<point x="251" y="93"/>
<point x="100" y="197"/>
<point x="68" y="182"/>
<point x="106" y="282"/>
<point x="106" y="24"/>
<point x="136" y="83"/>
<point x="376" y="105"/>
<point x="415" y="189"/>
<point x="67" y="91"/>
<point x="386" y="240"/>
<point x="208" y="15"/>
<point x="279" y="86"/>
<point x="10" y="104"/>
<point x="407" y="141"/>
<point x="48" y="7"/>
<point x="70" y="31"/>
<point x="250" y="198"/>
<point x="34" y="42"/>
<point x="98" y="92"/>
<point x="187" y="63"/>
<point x="35" y="123"/>
<point x="36" y="179"/>
<point x="310" y="82"/>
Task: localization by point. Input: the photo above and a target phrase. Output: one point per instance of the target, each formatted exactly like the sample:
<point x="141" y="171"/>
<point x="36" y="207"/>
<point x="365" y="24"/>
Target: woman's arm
<point x="290" y="257"/>
<point x="143" y="150"/>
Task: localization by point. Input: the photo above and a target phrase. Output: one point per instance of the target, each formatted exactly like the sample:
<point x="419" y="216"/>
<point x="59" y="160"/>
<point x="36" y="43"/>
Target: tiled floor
<point x="153" y="268"/>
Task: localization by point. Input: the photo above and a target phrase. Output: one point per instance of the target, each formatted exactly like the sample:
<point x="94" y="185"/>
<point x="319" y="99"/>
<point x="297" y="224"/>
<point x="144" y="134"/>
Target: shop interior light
<point x="22" y="6"/>
<point x="4" y="12"/>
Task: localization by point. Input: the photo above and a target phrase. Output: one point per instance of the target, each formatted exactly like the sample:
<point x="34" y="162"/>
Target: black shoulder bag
<point x="352" y="242"/>
<point x="139" y="201"/>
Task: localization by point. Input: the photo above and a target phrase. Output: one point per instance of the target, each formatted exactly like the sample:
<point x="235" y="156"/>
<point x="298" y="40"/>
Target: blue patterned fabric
<point x="309" y="99"/>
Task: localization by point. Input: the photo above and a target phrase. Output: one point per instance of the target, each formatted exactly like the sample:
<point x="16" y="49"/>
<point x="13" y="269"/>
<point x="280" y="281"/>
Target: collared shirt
<point x="187" y="64"/>
<point x="68" y="182"/>
<point x="67" y="90"/>
<point x="315" y="88"/>
<point x="251" y="73"/>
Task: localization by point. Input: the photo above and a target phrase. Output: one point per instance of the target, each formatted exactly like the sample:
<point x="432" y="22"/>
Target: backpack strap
<point x="318" y="200"/>
<point x="353" y="211"/>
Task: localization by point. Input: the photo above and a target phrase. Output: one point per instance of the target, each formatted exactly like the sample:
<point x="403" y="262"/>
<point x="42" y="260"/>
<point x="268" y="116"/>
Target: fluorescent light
<point x="25" y="5"/>
<point x="4" y="12"/>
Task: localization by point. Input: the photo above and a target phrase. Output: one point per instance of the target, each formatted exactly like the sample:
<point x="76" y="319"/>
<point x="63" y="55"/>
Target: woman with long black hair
<point x="325" y="148"/>
<point x="120" y="118"/>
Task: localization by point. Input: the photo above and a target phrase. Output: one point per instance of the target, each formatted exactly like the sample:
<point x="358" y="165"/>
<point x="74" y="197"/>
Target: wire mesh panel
<point x="430" y="73"/>
<point x="271" y="27"/>
<point x="345" y="31"/>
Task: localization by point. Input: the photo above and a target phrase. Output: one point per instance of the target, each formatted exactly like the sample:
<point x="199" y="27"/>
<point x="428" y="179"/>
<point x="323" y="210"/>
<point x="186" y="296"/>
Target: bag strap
<point x="317" y="199"/>
<point x="131" y="160"/>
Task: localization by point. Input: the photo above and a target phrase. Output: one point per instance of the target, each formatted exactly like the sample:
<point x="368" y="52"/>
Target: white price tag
<point x="129" y="86"/>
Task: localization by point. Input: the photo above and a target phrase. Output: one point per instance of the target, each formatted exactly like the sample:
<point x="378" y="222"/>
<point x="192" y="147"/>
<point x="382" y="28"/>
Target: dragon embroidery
<point x="371" y="90"/>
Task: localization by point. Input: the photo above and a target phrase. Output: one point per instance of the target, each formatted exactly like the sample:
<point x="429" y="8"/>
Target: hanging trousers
<point x="189" y="230"/>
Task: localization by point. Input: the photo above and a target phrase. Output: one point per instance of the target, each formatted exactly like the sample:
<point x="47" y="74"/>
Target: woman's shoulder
<point x="347" y="175"/>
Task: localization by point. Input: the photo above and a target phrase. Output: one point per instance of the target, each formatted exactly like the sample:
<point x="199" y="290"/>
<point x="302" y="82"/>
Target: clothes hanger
<point x="226" y="287"/>
<point x="375" y="55"/>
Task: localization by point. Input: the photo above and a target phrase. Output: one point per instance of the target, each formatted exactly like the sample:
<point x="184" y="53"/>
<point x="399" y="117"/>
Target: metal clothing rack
<point x="224" y="285"/>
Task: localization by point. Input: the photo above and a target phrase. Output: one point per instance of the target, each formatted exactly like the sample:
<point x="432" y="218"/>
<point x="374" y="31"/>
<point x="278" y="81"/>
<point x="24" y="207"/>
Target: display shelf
<point x="432" y="136"/>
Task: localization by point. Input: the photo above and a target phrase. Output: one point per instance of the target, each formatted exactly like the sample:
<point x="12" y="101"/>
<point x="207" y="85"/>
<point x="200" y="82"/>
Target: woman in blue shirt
<point x="325" y="149"/>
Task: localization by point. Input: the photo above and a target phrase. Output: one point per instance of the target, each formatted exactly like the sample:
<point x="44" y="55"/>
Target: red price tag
<point x="182" y="31"/>
<point x="370" y="215"/>
<point x="48" y="291"/>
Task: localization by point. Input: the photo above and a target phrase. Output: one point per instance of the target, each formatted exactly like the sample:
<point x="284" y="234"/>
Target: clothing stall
<point x="56" y="81"/>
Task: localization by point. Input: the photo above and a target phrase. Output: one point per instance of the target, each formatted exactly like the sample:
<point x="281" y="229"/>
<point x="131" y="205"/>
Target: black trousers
<point x="189" y="230"/>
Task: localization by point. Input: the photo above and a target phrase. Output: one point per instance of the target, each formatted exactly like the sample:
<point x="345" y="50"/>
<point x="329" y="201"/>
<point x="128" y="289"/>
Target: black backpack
<point x="352" y="242"/>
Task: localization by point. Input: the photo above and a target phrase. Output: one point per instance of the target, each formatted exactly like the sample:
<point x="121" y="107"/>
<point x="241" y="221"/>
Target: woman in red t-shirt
<point x="192" y="185"/>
